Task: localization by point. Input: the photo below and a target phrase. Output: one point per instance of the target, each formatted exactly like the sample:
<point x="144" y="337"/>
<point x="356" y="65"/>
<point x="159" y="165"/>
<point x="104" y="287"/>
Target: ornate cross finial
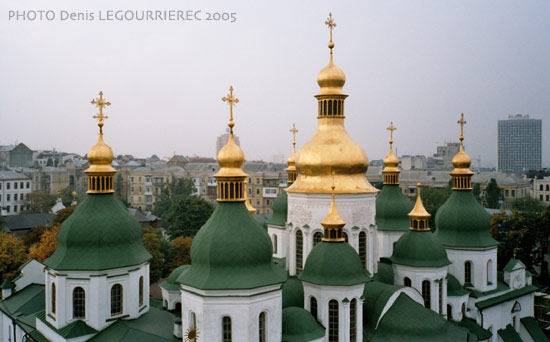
<point x="100" y="103"/>
<point x="331" y="24"/>
<point x="461" y="122"/>
<point x="294" y="131"/>
<point x="230" y="99"/>
<point x="391" y="128"/>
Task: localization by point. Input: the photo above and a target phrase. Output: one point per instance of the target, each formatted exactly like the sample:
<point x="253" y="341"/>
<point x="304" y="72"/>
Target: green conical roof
<point x="293" y="293"/>
<point x="419" y="248"/>
<point x="100" y="234"/>
<point x="463" y="222"/>
<point x="231" y="251"/>
<point x="280" y="210"/>
<point x="392" y="209"/>
<point x="334" y="263"/>
<point x="171" y="283"/>
<point x="300" y="326"/>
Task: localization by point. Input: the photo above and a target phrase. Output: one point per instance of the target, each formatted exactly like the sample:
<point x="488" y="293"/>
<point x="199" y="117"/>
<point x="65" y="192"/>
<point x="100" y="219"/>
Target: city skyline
<point x="166" y="79"/>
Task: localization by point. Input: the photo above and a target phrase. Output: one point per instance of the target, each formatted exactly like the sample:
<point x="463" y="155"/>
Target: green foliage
<point x="528" y="204"/>
<point x="433" y="199"/>
<point x="162" y="251"/>
<point x="49" y="162"/>
<point x="34" y="235"/>
<point x="477" y="191"/>
<point x="493" y="194"/>
<point x="177" y="188"/>
<point x="13" y="254"/>
<point x="39" y="202"/>
<point x="62" y="215"/>
<point x="66" y="196"/>
<point x="187" y="215"/>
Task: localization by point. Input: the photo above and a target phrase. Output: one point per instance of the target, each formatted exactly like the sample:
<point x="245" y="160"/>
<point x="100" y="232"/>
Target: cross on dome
<point x="231" y="100"/>
<point x="100" y="103"/>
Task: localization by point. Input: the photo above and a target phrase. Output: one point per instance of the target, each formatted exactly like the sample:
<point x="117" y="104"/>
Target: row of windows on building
<point x="16" y="208"/>
<point x="15" y="197"/>
<point x="79" y="300"/>
<point x="15" y="185"/>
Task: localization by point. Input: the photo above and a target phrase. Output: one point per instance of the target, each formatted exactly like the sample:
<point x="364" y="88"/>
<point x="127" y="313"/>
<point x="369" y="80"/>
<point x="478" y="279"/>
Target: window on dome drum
<point x="226" y="326"/>
<point x="363" y="248"/>
<point x="313" y="307"/>
<point x="353" y="320"/>
<point x="53" y="299"/>
<point x="440" y="299"/>
<point x="463" y="310"/>
<point x="333" y="321"/>
<point x="116" y="300"/>
<point x="426" y="293"/>
<point x="141" y="291"/>
<point x="299" y="250"/>
<point x="449" y="312"/>
<point x="317" y="237"/>
<point x="193" y="320"/>
<point x="407" y="282"/>
<point x="274" y="243"/>
<point x="261" y="331"/>
<point x="490" y="272"/>
<point x="468" y="272"/>
<point x="79" y="303"/>
<point x="345" y="237"/>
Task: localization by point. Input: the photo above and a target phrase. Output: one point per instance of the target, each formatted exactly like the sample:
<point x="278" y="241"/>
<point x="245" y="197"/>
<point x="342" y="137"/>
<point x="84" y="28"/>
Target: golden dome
<point x="100" y="156"/>
<point x="391" y="161"/>
<point x="461" y="160"/>
<point x="419" y="211"/>
<point x="333" y="218"/>
<point x="331" y="79"/>
<point x="231" y="159"/>
<point x="292" y="160"/>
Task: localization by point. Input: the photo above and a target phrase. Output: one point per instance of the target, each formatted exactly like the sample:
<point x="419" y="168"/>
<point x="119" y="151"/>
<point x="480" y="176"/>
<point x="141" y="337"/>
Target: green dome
<point x="293" y="293"/>
<point x="453" y="287"/>
<point x="300" y="326"/>
<point x="99" y="235"/>
<point x="419" y="249"/>
<point x="171" y="283"/>
<point x="385" y="272"/>
<point x="280" y="210"/>
<point x="463" y="222"/>
<point x="231" y="251"/>
<point x="334" y="263"/>
<point x="392" y="209"/>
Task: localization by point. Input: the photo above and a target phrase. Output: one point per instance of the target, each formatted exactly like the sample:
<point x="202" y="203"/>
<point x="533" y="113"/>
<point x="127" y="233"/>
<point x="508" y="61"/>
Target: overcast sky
<point x="416" y="63"/>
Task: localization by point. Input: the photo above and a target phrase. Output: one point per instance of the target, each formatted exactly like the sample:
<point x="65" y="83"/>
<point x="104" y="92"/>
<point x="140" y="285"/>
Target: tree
<point x="44" y="248"/>
<point x="13" y="254"/>
<point x="40" y="202"/>
<point x="66" y="196"/>
<point x="528" y="204"/>
<point x="152" y="243"/>
<point x="433" y="199"/>
<point x="493" y="194"/>
<point x="177" y="188"/>
<point x="477" y="191"/>
<point x="187" y="215"/>
<point x="182" y="247"/>
<point x="34" y="235"/>
<point x="62" y="215"/>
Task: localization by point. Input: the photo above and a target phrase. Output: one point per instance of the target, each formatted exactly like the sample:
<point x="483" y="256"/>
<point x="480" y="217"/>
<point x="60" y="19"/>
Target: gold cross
<point x="461" y="122"/>
<point x="294" y="131"/>
<point x="100" y="103"/>
<point x="331" y="24"/>
<point x="391" y="128"/>
<point x="230" y="99"/>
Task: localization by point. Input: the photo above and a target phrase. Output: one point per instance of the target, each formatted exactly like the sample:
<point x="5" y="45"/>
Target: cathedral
<point x="340" y="260"/>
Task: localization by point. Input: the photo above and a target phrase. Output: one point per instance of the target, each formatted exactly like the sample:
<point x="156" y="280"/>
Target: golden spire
<point x="247" y="203"/>
<point x="291" y="169"/>
<point x="333" y="224"/>
<point x="100" y="173"/>
<point x="331" y="24"/>
<point x="391" y="172"/>
<point x="462" y="176"/>
<point x="419" y="216"/>
<point x="331" y="79"/>
<point x="231" y="187"/>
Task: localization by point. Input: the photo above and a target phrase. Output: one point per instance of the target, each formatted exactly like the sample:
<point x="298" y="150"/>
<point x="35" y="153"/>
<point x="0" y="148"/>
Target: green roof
<point x="74" y="329"/>
<point x="171" y="283"/>
<point x="392" y="209"/>
<point x="509" y="334"/>
<point x="376" y="296"/>
<point x="6" y="285"/>
<point x="510" y="265"/>
<point x="453" y="287"/>
<point x="154" y="326"/>
<point x="334" y="263"/>
<point x="293" y="293"/>
<point x="99" y="235"/>
<point x="419" y="249"/>
<point x="232" y="251"/>
<point x="476" y="329"/>
<point x="534" y="330"/>
<point x="463" y="222"/>
<point x="385" y="272"/>
<point x="506" y="297"/>
<point x="26" y="301"/>
<point x="300" y="326"/>
<point x="280" y="210"/>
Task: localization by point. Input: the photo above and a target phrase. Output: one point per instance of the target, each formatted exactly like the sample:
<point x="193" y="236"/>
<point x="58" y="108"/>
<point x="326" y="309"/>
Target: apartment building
<point x="14" y="189"/>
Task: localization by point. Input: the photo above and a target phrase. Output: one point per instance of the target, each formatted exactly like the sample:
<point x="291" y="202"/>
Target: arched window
<point x="363" y="248"/>
<point x="299" y="250"/>
<point x="333" y="321"/>
<point x="141" y="291"/>
<point x="346" y="237"/>
<point x="541" y="187"/>
<point x="353" y="320"/>
<point x="79" y="303"/>
<point x="313" y="307"/>
<point x="490" y="272"/>
<point x="426" y="293"/>
<point x="116" y="300"/>
<point x="274" y="243"/>
<point x="193" y="320"/>
<point x="53" y="298"/>
<point x="226" y="329"/>
<point x="317" y="237"/>
<point x="547" y="187"/>
<point x="463" y="310"/>
<point x="449" y="311"/>
<point x="440" y="297"/>
<point x="407" y="282"/>
<point x="262" y="327"/>
<point x="468" y="272"/>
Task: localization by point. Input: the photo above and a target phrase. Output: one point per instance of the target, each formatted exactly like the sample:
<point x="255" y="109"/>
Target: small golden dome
<point x="231" y="159"/>
<point x="100" y="156"/>
<point x="292" y="160"/>
<point x="333" y="218"/>
<point x="461" y="160"/>
<point x="391" y="160"/>
<point x="419" y="211"/>
<point x="331" y="79"/>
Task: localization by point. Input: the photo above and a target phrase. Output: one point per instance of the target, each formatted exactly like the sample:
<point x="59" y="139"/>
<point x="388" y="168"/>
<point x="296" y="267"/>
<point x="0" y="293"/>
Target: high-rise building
<point x="519" y="143"/>
<point x="221" y="141"/>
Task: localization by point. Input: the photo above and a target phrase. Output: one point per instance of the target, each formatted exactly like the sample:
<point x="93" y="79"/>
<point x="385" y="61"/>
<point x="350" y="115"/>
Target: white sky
<point x="418" y="63"/>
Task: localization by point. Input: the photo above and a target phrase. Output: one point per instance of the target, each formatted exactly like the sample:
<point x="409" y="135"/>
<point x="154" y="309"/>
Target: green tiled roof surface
<point x="171" y="283"/>
<point x="334" y="263"/>
<point x="453" y="287"/>
<point x="510" y="265"/>
<point x="27" y="301"/>
<point x="509" y="334"/>
<point x="376" y="296"/>
<point x="38" y="337"/>
<point x="419" y="249"/>
<point x="280" y="210"/>
<point x="99" y="235"/>
<point x="300" y="326"/>
<point x="533" y="329"/>
<point x="75" y="329"/>
<point x="232" y="251"/>
<point x="293" y="293"/>
<point x="385" y="272"/>
<point x="463" y="222"/>
<point x="476" y="329"/>
<point x="6" y="285"/>
<point x="392" y="209"/>
<point x="506" y="297"/>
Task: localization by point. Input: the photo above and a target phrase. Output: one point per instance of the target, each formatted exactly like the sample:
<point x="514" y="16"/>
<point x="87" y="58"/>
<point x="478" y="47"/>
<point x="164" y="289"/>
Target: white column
<point x="344" y="322"/>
